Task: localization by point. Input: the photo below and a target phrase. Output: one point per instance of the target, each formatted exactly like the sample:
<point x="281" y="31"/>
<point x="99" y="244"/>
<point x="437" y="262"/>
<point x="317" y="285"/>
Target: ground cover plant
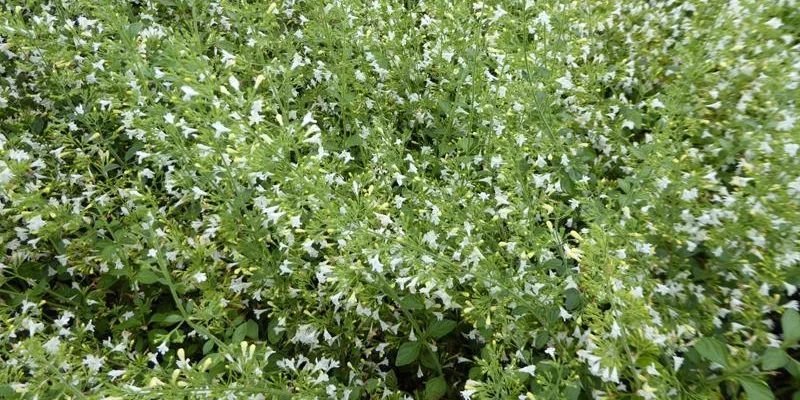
<point x="399" y="199"/>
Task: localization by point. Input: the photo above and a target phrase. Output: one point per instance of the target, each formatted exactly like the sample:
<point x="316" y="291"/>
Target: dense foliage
<point x="421" y="199"/>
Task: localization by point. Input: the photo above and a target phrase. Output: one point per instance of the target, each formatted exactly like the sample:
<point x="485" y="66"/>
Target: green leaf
<point x="712" y="350"/>
<point x="6" y="392"/>
<point x="541" y="340"/>
<point x="208" y="346"/>
<point x="756" y="389"/>
<point x="165" y="319"/>
<point x="147" y="277"/>
<point x="428" y="359"/>
<point x="173" y="319"/>
<point x="37" y="126"/>
<point x="391" y="380"/>
<point x="238" y="333"/>
<point x="412" y="302"/>
<point x="435" y="388"/>
<point x="790" y="322"/>
<point x="774" y="358"/>
<point x="793" y="366"/>
<point x="252" y="329"/>
<point x="573" y="300"/>
<point x="572" y="392"/>
<point x="408" y="352"/>
<point x="438" y="329"/>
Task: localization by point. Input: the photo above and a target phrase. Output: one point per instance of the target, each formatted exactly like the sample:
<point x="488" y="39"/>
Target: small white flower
<point x="429" y="238"/>
<point x="188" y="92"/>
<point x="678" y="361"/>
<point x="530" y="369"/>
<point x="689" y="194"/>
<point x="566" y="82"/>
<point x="376" y="264"/>
<point x="162" y="348"/>
<point x="656" y="103"/>
<point x="93" y="362"/>
<point x="219" y="129"/>
<point x="36" y="223"/>
<point x="791" y="149"/>
<point x="52" y="345"/>
<point x="308" y="119"/>
<point x="234" y="83"/>
<point x="774" y="23"/>
<point x="198" y="193"/>
<point x="199" y="277"/>
<point x="116" y="373"/>
<point x="18" y="155"/>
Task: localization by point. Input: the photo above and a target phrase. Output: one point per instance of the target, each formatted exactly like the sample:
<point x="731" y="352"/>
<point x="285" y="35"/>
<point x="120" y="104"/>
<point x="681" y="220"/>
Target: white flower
<point x="188" y="92"/>
<point x="616" y="332"/>
<point x="36" y="223"/>
<point x="384" y="219"/>
<point x="656" y="103"/>
<point x="774" y="23"/>
<point x="788" y="122"/>
<point x="116" y="373"/>
<point x="162" y="348"/>
<point x="199" y="277"/>
<point x="234" y="82"/>
<point x="52" y="345"/>
<point x="689" y="194"/>
<point x="93" y="362"/>
<point x="306" y="334"/>
<point x="791" y="149"/>
<point x="429" y="238"/>
<point x="566" y="82"/>
<point x="18" y="155"/>
<point x="530" y="369"/>
<point x="219" y="129"/>
<point x="375" y="263"/>
<point x="308" y="119"/>
<point x="678" y="361"/>
<point x="198" y="193"/>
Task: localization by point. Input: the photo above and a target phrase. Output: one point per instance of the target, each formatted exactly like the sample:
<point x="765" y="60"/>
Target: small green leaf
<point x="793" y="366"/>
<point x="391" y="379"/>
<point x="572" y="392"/>
<point x="435" y="388"/>
<point x="252" y="329"/>
<point x="172" y="319"/>
<point x="428" y="359"/>
<point x="790" y="322"/>
<point x="37" y="126"/>
<point x="411" y="302"/>
<point x="6" y="391"/>
<point x="541" y="340"/>
<point x="756" y="389"/>
<point x="774" y="358"/>
<point x="208" y="346"/>
<point x="573" y="299"/>
<point x="165" y="320"/>
<point x="408" y="352"/>
<point x="238" y="333"/>
<point x="438" y="329"/>
<point x="147" y="277"/>
<point x="712" y="350"/>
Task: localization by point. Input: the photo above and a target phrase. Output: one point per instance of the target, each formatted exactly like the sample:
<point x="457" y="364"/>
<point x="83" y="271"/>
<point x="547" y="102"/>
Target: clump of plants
<point x="399" y="200"/>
